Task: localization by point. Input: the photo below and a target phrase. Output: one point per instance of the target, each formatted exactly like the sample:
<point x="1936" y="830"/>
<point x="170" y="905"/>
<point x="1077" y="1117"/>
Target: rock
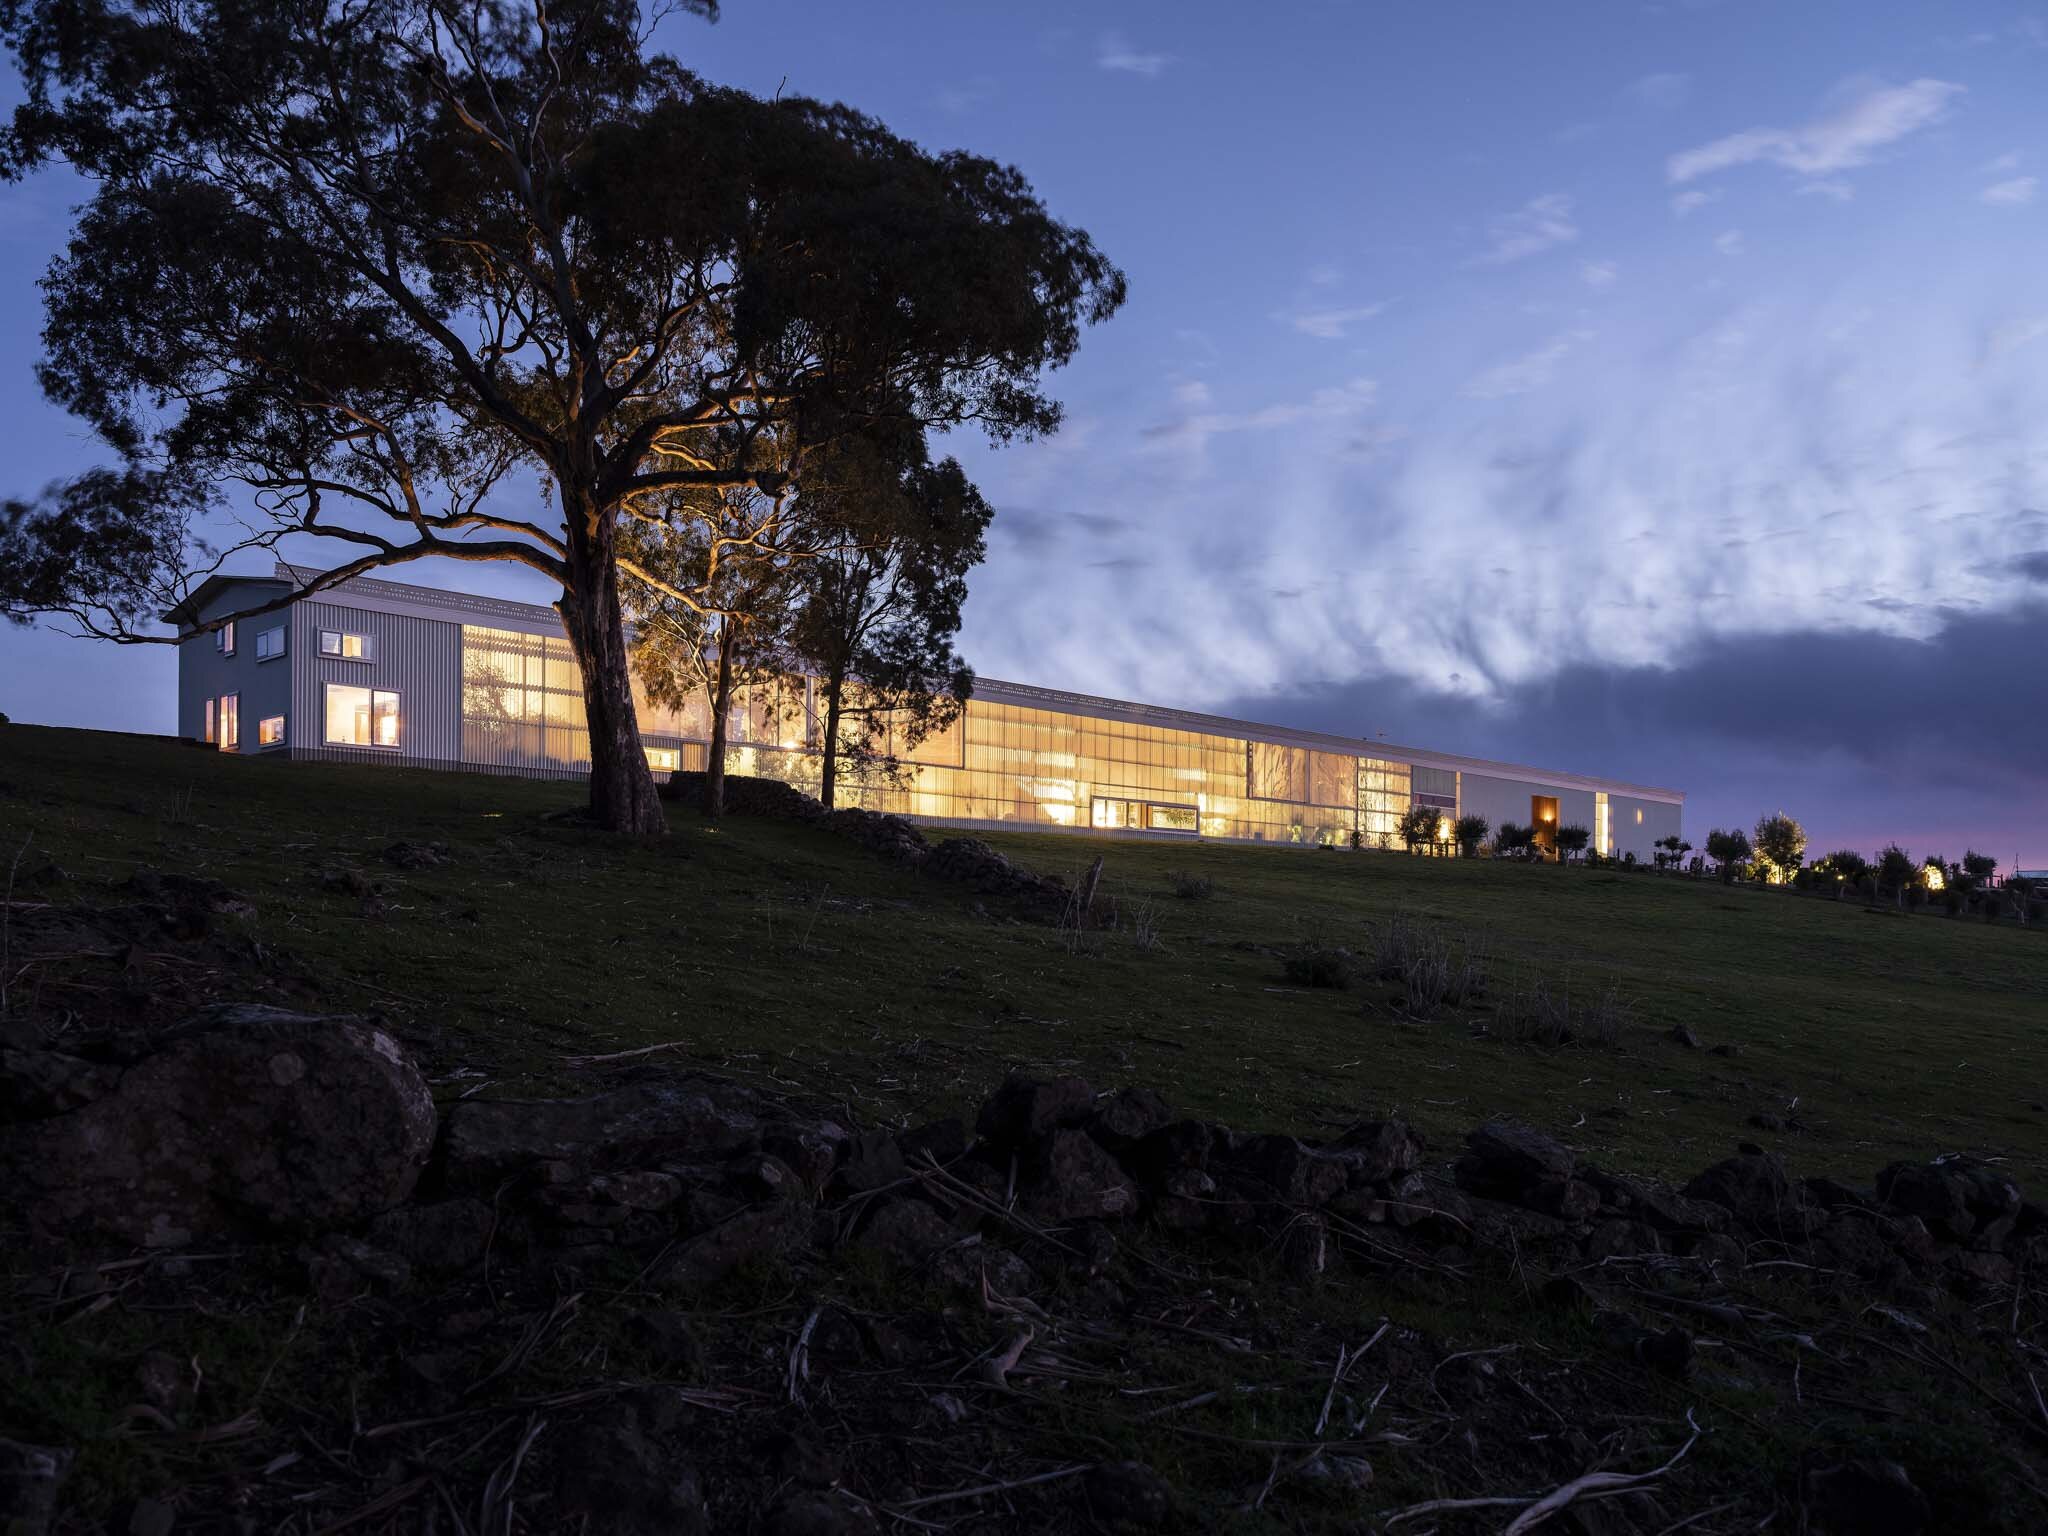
<point x="1128" y="1492"/>
<point x="794" y="1459"/>
<point x="442" y="1238"/>
<point x="756" y="1235"/>
<point x="1754" y="1188"/>
<point x="1505" y="1158"/>
<point x="1726" y="1048"/>
<point x="1668" y="1353"/>
<point x="1182" y="1203"/>
<point x="905" y="1233"/>
<point x="410" y="855"/>
<point x="37" y="1084"/>
<point x="1936" y="1195"/>
<point x="1380" y="1150"/>
<point x="1832" y="1194"/>
<point x="30" y="1477"/>
<point x="1076" y="1180"/>
<point x="1993" y="1270"/>
<point x="1300" y="1175"/>
<point x="1718" y="1249"/>
<point x="943" y="1141"/>
<point x="1305" y="1246"/>
<point x="1663" y="1207"/>
<point x="1617" y="1238"/>
<point x="1867" y="1498"/>
<point x="613" y="1476"/>
<point x="1570" y="1200"/>
<point x="1768" y="1120"/>
<point x="488" y="1139"/>
<point x="145" y="1517"/>
<point x="874" y="1161"/>
<point x="810" y="1512"/>
<point x="343" y="1266"/>
<point x="165" y="1382"/>
<point x="1127" y="1117"/>
<point x="1026" y="1110"/>
<point x="668" y="1340"/>
<point x="1183" y="1144"/>
<point x="813" y="1149"/>
<point x="245" y="1118"/>
<point x="1682" y="1034"/>
<point x="1851" y="1240"/>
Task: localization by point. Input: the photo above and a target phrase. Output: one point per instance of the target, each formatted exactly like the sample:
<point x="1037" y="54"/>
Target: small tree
<point x="1896" y="871"/>
<point x="1471" y="832"/>
<point x="1514" y="839"/>
<point x="1420" y="826"/>
<point x="1728" y="849"/>
<point x="1571" y="839"/>
<point x="1780" y="846"/>
<point x="1845" y="867"/>
<point x="1978" y="866"/>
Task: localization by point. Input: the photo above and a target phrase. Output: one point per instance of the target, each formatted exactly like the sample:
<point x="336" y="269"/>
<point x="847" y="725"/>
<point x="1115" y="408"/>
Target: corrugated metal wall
<point x="418" y="659"/>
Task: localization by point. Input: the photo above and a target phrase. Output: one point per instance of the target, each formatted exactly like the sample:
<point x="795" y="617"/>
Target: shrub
<point x="1979" y="866"/>
<point x="1514" y="840"/>
<point x="1434" y="970"/>
<point x="1531" y="1013"/>
<point x="1572" y="839"/>
<point x="1729" y="850"/>
<point x="1895" y="872"/>
<point x="1313" y="961"/>
<point x="1780" y="845"/>
<point x="1190" y="887"/>
<point x="1420" y="826"/>
<point x="1471" y="832"/>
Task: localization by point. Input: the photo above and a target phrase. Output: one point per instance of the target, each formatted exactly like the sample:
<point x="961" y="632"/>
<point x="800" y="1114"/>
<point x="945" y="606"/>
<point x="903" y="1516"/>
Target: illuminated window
<point x="1277" y="772"/>
<point x="1639" y="815"/>
<point x="230" y="721"/>
<point x="1603" y="837"/>
<point x="206" y="730"/>
<point x="270" y="731"/>
<point x="522" y="701"/>
<point x="270" y="643"/>
<point x="224" y="638"/>
<point x="664" y="759"/>
<point x="348" y="647"/>
<point x="361" y="717"/>
<point x="1172" y="818"/>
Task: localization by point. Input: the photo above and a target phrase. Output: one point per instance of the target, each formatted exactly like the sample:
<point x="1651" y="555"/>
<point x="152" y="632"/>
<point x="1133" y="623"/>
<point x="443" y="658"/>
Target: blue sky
<point x="1644" y="389"/>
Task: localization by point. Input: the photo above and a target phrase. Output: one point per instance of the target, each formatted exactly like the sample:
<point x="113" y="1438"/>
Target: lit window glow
<point x="270" y="731"/>
<point x="361" y="717"/>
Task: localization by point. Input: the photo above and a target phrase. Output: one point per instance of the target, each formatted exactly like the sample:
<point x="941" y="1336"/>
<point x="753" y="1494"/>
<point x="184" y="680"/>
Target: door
<point x="1543" y="817"/>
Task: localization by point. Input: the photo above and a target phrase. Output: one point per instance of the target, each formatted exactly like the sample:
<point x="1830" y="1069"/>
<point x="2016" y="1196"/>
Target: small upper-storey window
<point x="270" y="731"/>
<point x="270" y="643"/>
<point x="337" y="642"/>
<point x="224" y="638"/>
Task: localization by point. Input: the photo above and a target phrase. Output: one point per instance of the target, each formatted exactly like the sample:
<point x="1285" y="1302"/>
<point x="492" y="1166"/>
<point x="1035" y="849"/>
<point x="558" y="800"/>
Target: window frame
<point x="263" y="725"/>
<point x="283" y="643"/>
<point x="206" y="719"/>
<point x="230" y="719"/>
<point x="341" y="638"/>
<point x="224" y="638"/>
<point x="398" y="713"/>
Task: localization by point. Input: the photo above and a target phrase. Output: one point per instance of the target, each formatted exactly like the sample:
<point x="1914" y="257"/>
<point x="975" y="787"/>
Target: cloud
<point x="1335" y="403"/>
<point x="1998" y="165"/>
<point x="1831" y="187"/>
<point x="1729" y="242"/>
<point x="2033" y="566"/>
<point x="1119" y="57"/>
<point x="1873" y="116"/>
<point x="1530" y="371"/>
<point x="1685" y="202"/>
<point x="1598" y="274"/>
<point x="965" y="98"/>
<point x="1538" y="225"/>
<point x="1659" y="91"/>
<point x="2009" y="194"/>
<point x="1332" y="324"/>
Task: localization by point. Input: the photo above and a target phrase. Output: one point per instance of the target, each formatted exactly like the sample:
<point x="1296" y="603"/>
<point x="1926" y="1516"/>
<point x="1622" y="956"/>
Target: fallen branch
<point x="987" y="1488"/>
<point x="645" y="1050"/>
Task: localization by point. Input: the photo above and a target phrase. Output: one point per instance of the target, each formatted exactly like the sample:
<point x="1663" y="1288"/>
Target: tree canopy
<point x="383" y="267"/>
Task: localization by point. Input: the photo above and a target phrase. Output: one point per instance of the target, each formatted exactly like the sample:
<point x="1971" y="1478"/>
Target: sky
<point x="1651" y="390"/>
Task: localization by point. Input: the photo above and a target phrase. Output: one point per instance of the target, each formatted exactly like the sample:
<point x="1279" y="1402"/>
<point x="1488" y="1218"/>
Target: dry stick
<point x="495" y="1514"/>
<point x="645" y="1050"/>
<point x="987" y="1488"/>
<point x="1601" y="1482"/>
<point x="800" y="1356"/>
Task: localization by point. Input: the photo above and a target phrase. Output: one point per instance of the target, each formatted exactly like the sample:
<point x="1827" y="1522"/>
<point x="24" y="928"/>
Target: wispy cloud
<point x="1662" y="91"/>
<point x="1334" y="404"/>
<point x="1730" y="242"/>
<point x="1871" y="117"/>
<point x="1998" y="165"/>
<point x="2010" y="194"/>
<point x="1833" y="188"/>
<point x="1118" y="56"/>
<point x="1331" y="324"/>
<point x="1694" y="197"/>
<point x="1598" y="274"/>
<point x="1538" y="225"/>
<point x="1530" y="371"/>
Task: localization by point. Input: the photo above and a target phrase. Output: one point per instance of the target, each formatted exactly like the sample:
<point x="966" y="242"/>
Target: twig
<point x="800" y="1356"/>
<point x="645" y="1050"/>
<point x="495" y="1512"/>
<point x="987" y="1488"/>
<point x="1592" y="1482"/>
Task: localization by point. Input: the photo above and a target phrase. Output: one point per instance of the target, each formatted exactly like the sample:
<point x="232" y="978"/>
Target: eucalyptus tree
<point x="484" y="282"/>
<point x="879" y="605"/>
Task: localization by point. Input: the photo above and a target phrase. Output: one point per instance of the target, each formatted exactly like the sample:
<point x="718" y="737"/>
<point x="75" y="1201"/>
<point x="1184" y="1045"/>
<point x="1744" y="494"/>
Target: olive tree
<point x="484" y="282"/>
<point x="1780" y="843"/>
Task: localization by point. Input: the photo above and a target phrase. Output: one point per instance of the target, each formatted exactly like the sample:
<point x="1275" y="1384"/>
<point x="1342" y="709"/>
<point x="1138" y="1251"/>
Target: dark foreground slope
<point x="1252" y="1274"/>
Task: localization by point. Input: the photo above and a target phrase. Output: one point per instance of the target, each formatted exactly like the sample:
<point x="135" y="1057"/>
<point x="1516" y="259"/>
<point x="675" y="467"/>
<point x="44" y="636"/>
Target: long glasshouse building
<point x="377" y="671"/>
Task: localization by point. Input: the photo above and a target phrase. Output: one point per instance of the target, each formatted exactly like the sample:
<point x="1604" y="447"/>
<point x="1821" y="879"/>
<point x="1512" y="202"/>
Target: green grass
<point x="771" y="950"/>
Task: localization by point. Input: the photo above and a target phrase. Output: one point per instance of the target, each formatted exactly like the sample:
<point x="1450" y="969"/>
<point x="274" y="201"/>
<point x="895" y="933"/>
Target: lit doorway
<point x="1543" y="817"/>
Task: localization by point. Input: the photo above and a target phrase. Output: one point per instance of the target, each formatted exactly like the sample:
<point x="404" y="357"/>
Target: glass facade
<point x="522" y="705"/>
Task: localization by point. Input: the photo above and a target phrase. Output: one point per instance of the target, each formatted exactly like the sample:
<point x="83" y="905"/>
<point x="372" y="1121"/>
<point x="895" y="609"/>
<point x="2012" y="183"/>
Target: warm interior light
<point x="1934" y="877"/>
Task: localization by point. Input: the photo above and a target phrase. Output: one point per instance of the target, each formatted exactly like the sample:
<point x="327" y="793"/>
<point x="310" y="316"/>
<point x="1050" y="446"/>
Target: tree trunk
<point x="721" y="707"/>
<point x="835" y="693"/>
<point x="622" y="794"/>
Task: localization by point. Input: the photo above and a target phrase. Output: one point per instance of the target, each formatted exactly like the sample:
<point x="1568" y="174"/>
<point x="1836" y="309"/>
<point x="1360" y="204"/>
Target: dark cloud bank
<point x="1864" y="737"/>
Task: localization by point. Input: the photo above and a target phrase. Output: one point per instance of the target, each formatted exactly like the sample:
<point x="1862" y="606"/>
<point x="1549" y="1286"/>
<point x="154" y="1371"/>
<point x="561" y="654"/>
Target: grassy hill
<point x="778" y="952"/>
